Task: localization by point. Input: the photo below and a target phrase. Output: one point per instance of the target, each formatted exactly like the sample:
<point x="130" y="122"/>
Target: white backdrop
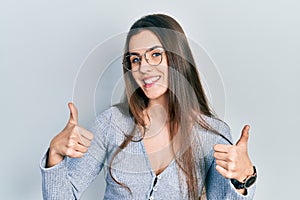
<point x="254" y="45"/>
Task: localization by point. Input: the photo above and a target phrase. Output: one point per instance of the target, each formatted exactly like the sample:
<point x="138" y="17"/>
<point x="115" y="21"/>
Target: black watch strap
<point x="248" y="182"/>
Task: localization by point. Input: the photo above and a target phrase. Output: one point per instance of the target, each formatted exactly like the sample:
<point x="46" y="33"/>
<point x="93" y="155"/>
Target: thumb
<point x="244" y="137"/>
<point x="73" y="114"/>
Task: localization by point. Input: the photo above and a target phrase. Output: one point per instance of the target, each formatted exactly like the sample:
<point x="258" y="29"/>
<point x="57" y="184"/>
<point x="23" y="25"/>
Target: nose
<point x="145" y="67"/>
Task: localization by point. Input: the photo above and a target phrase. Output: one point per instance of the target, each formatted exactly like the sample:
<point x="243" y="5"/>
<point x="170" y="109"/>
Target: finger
<point x="80" y="148"/>
<point x="76" y="144"/>
<point x="222" y="148"/>
<point x="84" y="141"/>
<point x="222" y="164"/>
<point x="84" y="137"/>
<point x="72" y="153"/>
<point x="222" y="171"/>
<point x="85" y="133"/>
<point x="244" y="137"/>
<point x="221" y="156"/>
<point x="76" y="137"/>
<point x="73" y="114"/>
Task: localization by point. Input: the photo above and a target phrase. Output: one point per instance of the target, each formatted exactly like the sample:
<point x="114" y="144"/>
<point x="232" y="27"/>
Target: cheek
<point x="164" y="70"/>
<point x="135" y="77"/>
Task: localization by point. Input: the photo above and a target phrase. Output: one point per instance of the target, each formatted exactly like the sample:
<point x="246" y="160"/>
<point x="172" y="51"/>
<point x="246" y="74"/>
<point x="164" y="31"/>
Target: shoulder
<point x="218" y="125"/>
<point x="114" y="114"/>
<point x="204" y="139"/>
<point x="115" y="117"/>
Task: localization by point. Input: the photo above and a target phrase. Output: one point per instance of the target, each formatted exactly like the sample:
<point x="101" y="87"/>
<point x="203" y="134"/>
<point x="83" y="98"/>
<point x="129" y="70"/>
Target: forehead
<point x="143" y="40"/>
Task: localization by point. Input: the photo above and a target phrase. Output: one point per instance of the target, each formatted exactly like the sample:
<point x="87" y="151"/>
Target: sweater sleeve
<point x="220" y="188"/>
<point x="217" y="186"/>
<point x="69" y="179"/>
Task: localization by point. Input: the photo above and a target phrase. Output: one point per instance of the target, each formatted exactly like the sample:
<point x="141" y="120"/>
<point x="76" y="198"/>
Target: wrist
<point x="248" y="172"/>
<point x="247" y="182"/>
<point x="53" y="158"/>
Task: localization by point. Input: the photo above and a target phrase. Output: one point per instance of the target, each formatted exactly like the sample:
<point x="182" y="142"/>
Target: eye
<point x="156" y="54"/>
<point x="134" y="59"/>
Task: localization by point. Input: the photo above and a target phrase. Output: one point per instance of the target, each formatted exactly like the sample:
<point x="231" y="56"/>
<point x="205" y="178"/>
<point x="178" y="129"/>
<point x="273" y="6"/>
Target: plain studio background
<point x="254" y="44"/>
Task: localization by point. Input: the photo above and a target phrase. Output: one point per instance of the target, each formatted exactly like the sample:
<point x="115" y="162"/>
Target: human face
<point x="153" y="80"/>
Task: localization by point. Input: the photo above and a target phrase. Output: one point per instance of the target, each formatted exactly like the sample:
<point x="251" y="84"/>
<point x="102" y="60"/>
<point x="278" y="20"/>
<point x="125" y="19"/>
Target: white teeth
<point x="151" y="80"/>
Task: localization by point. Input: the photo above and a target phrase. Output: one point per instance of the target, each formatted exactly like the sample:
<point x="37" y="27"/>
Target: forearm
<point x="55" y="181"/>
<point x="53" y="159"/>
<point x="69" y="178"/>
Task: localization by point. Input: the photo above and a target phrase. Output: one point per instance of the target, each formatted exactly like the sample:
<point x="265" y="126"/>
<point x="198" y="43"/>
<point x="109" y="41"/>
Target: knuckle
<point x="69" y="152"/>
<point x="88" y="144"/>
<point x="70" y="144"/>
<point x="73" y="136"/>
<point x="229" y="174"/>
<point x="91" y="136"/>
<point x="78" y="154"/>
<point x="230" y="158"/>
<point x="70" y="137"/>
<point x="71" y="127"/>
<point x="85" y="150"/>
<point x="88" y="136"/>
<point x="232" y="167"/>
<point x="74" y="129"/>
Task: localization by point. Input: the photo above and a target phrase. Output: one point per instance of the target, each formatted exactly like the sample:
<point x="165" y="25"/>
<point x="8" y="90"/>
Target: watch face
<point x="250" y="181"/>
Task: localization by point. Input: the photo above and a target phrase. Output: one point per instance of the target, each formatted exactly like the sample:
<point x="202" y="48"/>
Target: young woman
<point x="162" y="142"/>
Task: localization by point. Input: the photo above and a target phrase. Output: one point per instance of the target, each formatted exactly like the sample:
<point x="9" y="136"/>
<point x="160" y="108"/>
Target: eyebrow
<point x="150" y="49"/>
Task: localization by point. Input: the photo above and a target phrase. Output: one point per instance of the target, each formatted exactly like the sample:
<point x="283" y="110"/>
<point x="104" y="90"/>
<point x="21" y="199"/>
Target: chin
<point x="156" y="94"/>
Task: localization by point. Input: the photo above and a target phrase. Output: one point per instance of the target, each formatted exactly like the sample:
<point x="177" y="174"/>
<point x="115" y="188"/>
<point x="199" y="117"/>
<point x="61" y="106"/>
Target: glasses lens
<point x="154" y="57"/>
<point x="134" y="61"/>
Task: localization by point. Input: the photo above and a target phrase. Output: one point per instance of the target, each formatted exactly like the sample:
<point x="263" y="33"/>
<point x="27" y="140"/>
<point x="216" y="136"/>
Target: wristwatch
<point x="248" y="182"/>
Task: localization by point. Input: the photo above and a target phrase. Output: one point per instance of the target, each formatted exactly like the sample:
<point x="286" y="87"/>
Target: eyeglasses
<point x="153" y="57"/>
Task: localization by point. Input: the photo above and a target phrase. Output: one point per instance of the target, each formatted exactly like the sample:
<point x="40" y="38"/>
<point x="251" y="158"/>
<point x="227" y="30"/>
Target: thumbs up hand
<point x="233" y="160"/>
<point x="73" y="141"/>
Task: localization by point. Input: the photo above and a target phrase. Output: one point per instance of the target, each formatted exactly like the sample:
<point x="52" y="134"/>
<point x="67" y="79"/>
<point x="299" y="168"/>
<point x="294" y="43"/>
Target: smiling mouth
<point x="150" y="81"/>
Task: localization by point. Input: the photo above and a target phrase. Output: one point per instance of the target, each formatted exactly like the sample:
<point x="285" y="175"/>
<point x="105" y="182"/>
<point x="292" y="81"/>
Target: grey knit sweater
<point x="69" y="178"/>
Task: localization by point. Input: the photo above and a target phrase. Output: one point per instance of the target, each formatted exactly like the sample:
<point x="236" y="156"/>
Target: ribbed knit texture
<point x="69" y="179"/>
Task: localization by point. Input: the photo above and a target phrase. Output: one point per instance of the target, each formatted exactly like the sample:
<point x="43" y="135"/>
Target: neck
<point x="160" y="101"/>
<point x="156" y="115"/>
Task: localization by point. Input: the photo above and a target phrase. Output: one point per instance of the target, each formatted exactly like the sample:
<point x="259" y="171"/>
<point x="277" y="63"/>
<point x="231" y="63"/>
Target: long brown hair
<point x="186" y="98"/>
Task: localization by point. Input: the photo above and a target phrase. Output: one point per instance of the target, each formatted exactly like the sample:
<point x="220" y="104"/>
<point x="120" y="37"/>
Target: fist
<point x="73" y="141"/>
<point x="232" y="161"/>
